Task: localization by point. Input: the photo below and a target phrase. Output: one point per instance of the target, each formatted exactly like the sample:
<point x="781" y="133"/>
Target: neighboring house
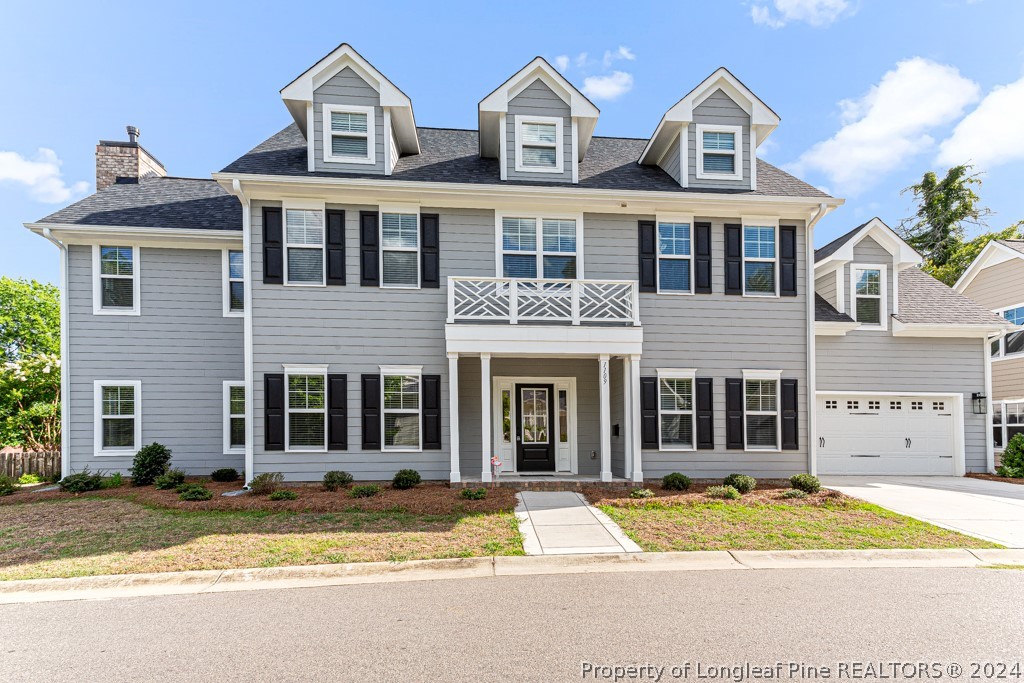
<point x="996" y="281"/>
<point x="359" y="293"/>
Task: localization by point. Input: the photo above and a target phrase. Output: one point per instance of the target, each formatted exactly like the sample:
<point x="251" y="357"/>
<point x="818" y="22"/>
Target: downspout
<point x="65" y="393"/>
<point x="990" y="452"/>
<point x="812" y="381"/>
<point x="236" y="189"/>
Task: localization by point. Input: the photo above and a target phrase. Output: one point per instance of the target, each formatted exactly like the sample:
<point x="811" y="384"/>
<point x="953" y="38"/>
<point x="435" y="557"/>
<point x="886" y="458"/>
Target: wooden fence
<point x="45" y="464"/>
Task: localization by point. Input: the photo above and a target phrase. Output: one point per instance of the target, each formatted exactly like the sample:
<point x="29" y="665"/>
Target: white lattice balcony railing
<point x="570" y="302"/>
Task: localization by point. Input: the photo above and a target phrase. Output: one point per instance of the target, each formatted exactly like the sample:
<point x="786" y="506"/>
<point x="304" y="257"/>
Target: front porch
<point x="543" y="482"/>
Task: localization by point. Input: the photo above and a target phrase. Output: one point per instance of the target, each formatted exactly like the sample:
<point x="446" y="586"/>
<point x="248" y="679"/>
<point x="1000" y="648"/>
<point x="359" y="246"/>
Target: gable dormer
<point x="538" y="125"/>
<point x="709" y="139"/>
<point x="353" y="118"/>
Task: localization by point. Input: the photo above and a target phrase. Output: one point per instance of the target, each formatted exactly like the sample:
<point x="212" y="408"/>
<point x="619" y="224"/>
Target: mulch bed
<point x="996" y="477"/>
<point x="764" y="493"/>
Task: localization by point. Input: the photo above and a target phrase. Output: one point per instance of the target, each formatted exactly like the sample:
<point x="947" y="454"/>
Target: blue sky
<point x="871" y="93"/>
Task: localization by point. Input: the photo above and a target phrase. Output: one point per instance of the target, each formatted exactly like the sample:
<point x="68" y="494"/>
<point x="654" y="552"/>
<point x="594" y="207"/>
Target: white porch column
<point x="485" y="416"/>
<point x="635" y="449"/>
<point x="606" y="419"/>
<point x="453" y="412"/>
<point x="627" y="416"/>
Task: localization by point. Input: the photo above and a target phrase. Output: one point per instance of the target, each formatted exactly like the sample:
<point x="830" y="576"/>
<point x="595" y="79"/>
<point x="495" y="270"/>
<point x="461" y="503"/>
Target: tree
<point x="29" y="318"/>
<point x="944" y="207"/>
<point x="964" y="253"/>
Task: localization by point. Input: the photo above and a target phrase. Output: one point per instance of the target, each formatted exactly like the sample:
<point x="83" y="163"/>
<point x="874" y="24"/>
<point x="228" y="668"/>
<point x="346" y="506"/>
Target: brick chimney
<point x="124" y="162"/>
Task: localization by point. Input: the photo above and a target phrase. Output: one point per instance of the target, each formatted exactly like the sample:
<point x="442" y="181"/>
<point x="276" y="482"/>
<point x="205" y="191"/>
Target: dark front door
<point x="535" y="412"/>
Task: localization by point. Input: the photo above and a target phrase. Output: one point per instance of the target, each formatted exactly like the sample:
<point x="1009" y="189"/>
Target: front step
<point x="552" y="484"/>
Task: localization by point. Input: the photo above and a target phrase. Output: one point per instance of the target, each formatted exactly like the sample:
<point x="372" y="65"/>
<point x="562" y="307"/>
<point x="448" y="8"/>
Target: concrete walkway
<point x="990" y="510"/>
<point x="562" y="523"/>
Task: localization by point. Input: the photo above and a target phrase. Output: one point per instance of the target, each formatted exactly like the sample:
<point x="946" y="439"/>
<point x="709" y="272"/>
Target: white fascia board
<point x="144" y="236"/>
<point x="902" y="329"/>
<point x="903" y="254"/>
<point x="543" y="340"/>
<point x="992" y="255"/>
<point x="834" y="329"/>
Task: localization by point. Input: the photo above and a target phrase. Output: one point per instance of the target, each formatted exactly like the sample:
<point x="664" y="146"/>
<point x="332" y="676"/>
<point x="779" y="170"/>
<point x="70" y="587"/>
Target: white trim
<point x="903" y="254"/>
<point x="559" y="144"/>
<point x="503" y="146"/>
<point x="841" y="289"/>
<point x="228" y="416"/>
<point x="684" y="155"/>
<point x="97" y="404"/>
<point x="1003" y="425"/>
<point x="148" y="237"/>
<point x="636" y="447"/>
<point x="981" y="262"/>
<point x="305" y="205"/>
<point x="399" y="210"/>
<point x="486" y="444"/>
<point x="575" y="160"/>
<point x="605" y="415"/>
<point x="883" y="296"/>
<point x="310" y="139"/>
<point x="226" y="281"/>
<point x="690" y="374"/>
<point x="763" y="376"/>
<point x="508" y="383"/>
<point x="759" y="222"/>
<point x="737" y="152"/>
<point x="65" y="356"/>
<point x="902" y="329"/>
<point x="1001" y="312"/>
<point x="454" y="437"/>
<point x="833" y="329"/>
<point x="97" y="286"/>
<point x="990" y="457"/>
<point x="303" y="370"/>
<point x="539" y="253"/>
<point x="677" y="219"/>
<point x="401" y="371"/>
<point x="543" y="340"/>
<point x="328" y="134"/>
<point x="247" y="328"/>
<point x="389" y="137"/>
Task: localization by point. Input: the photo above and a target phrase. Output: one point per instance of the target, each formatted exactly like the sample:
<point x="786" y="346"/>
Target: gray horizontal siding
<point x="826" y="287"/>
<point x="346" y="87"/>
<point x="538" y="99"/>
<point x="670" y="162"/>
<point x="1008" y="379"/>
<point x="999" y="286"/>
<point x="868" y="251"/>
<point x="720" y="109"/>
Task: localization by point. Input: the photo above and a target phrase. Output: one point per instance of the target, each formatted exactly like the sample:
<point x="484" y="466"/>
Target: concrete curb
<point x="229" y="580"/>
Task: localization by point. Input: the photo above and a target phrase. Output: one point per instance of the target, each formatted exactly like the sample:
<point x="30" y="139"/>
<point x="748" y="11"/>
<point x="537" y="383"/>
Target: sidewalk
<point x="562" y="523"/>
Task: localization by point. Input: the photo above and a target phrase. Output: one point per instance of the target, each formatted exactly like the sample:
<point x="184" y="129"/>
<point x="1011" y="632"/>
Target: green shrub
<point x="27" y="479"/>
<point x="473" y="494"/>
<point x="808" y="483"/>
<point x="266" y="483"/>
<point x="727" y="492"/>
<point x="741" y="482"/>
<point x="794" y="493"/>
<point x="53" y="478"/>
<point x="81" y="482"/>
<point x="364" y="491"/>
<point x="283" y="494"/>
<point x="1012" y="460"/>
<point x="677" y="481"/>
<point x="336" y="479"/>
<point x="114" y="481"/>
<point x="7" y="485"/>
<point x="150" y="462"/>
<point x="225" y="474"/>
<point x="406" y="479"/>
<point x="171" y="479"/>
<point x="194" y="492"/>
<point x="641" y="493"/>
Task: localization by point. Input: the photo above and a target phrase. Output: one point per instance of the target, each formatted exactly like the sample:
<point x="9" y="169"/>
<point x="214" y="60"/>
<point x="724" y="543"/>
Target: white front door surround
<point x="506" y="417"/>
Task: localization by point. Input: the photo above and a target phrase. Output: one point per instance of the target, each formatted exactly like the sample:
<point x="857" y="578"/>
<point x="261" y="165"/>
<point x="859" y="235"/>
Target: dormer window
<point x="868" y="289"/>
<point x="719" y="152"/>
<point x="349" y="133"/>
<point x="539" y="144"/>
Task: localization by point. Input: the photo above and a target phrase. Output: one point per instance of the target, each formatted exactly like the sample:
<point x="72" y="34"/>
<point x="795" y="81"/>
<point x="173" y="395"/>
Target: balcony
<point x="511" y="301"/>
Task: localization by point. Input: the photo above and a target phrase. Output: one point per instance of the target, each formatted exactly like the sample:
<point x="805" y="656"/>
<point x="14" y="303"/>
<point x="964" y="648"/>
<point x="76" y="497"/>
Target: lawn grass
<point x="88" y="536"/>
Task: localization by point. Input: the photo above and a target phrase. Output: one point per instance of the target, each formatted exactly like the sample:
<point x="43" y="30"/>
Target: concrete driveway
<point x="992" y="510"/>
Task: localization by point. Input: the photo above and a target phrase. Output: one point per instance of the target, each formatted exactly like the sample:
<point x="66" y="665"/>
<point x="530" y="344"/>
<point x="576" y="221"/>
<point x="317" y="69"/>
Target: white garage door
<point x="885" y="435"/>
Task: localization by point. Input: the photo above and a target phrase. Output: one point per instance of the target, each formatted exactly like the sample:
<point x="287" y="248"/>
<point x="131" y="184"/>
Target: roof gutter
<point x="65" y="393"/>
<point x="247" y="327"/>
<point x="812" y="385"/>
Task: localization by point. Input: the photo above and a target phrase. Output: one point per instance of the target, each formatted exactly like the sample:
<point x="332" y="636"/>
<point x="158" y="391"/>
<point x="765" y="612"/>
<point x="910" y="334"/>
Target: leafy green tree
<point x="29" y="318"/>
<point x="964" y="253"/>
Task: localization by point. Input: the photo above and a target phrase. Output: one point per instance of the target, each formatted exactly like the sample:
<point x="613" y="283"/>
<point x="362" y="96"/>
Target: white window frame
<point x="228" y="415"/>
<point x="371" y="134"/>
<point x="97" y="402"/>
<point x="1002" y="415"/>
<point x="97" y="283"/>
<point x="759" y="222"/>
<point x="771" y="376"/>
<point x="300" y="205"/>
<point x="559" y="145"/>
<point x="675" y="219"/>
<point x="227" y="280"/>
<point x="690" y="374"/>
<point x="1002" y="340"/>
<point x="301" y="370"/>
<point x="737" y="131"/>
<point x="408" y="210"/>
<point x="883" y="303"/>
<point x="539" y="253"/>
<point x="405" y="371"/>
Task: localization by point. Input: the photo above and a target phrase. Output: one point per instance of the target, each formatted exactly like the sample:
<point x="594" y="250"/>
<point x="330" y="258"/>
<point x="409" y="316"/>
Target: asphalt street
<point x="862" y="624"/>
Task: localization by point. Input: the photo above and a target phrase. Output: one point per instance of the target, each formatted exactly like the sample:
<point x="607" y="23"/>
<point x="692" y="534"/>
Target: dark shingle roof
<point x="834" y="246"/>
<point x="925" y="300"/>
<point x="824" y="312"/>
<point x="449" y="155"/>
<point x="1016" y="245"/>
<point x="156" y="202"/>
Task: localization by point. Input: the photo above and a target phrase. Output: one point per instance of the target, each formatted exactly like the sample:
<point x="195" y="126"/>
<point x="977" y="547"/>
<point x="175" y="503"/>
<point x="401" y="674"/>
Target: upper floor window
<point x="674" y="258"/>
<point x="868" y="291"/>
<point x="553" y="256"/>
<point x="234" y="282"/>
<point x="1013" y="343"/>
<point x="115" y="280"/>
<point x="539" y="144"/>
<point x="349" y="134"/>
<point x="759" y="257"/>
<point x="400" y="250"/>
<point x="719" y="152"/>
<point x="304" y="246"/>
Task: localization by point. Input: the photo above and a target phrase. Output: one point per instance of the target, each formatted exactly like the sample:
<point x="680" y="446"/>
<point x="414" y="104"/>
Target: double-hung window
<point x="759" y="259"/>
<point x="115" y="280"/>
<point x="400" y="250"/>
<point x="868" y="289"/>
<point x="306" y="423"/>
<point x="402" y="403"/>
<point x="719" y="152"/>
<point x="539" y="144"/>
<point x="1007" y="422"/>
<point x="234" y="282"/>
<point x="118" y="417"/>
<point x="1013" y="343"/>
<point x="554" y="256"/>
<point x="234" y="417"/>
<point x="349" y="133"/>
<point x="675" y="264"/>
<point x="676" y="414"/>
<point x="761" y="411"/>
<point x="304" y="246"/>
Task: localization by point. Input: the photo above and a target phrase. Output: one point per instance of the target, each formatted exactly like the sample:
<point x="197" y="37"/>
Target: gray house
<point x="528" y="298"/>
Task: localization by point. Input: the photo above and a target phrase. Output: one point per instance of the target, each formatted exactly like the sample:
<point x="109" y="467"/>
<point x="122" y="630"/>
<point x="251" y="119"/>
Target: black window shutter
<point x="734" y="413"/>
<point x="335" y="247"/>
<point x="648" y="412"/>
<point x="371" y="412"/>
<point x="790" y="426"/>
<point x="273" y="247"/>
<point x="733" y="259"/>
<point x="787" y="260"/>
<point x="430" y="257"/>
<point x="337" y="412"/>
<point x="705" y="413"/>
<point x="648" y="249"/>
<point x="273" y="412"/>
<point x="702" y="258"/>
<point x="369" y="245"/>
<point x="431" y="412"/>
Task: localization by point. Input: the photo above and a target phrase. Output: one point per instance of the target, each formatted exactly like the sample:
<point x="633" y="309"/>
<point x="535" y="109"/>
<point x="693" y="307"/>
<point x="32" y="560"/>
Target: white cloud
<point x="989" y="135"/>
<point x="813" y="12"/>
<point x="562" y="62"/>
<point x="610" y="87"/>
<point x="40" y="175"/>
<point x="622" y="53"/>
<point x="581" y="60"/>
<point x="889" y="124"/>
